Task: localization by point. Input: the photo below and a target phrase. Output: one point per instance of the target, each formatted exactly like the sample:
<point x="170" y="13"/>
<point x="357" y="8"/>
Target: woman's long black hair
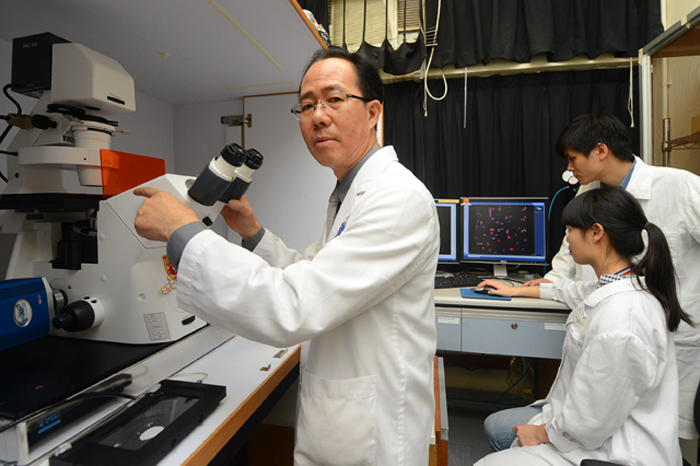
<point x="623" y="220"/>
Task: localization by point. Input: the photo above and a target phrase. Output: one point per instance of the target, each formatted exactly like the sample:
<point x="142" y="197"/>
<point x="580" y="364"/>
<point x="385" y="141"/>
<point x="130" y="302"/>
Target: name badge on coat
<point x="578" y="320"/>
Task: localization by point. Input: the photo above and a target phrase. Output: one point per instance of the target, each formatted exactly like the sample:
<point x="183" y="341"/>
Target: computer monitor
<point x="448" y="217"/>
<point x="504" y="231"/>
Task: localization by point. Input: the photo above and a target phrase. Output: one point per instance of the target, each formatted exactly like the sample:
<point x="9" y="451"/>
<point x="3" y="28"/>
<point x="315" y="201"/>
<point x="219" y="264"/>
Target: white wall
<point x="199" y="134"/>
<point x="676" y="10"/>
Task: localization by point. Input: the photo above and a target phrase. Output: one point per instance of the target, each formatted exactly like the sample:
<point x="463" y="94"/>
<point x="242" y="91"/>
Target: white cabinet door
<point x="289" y="193"/>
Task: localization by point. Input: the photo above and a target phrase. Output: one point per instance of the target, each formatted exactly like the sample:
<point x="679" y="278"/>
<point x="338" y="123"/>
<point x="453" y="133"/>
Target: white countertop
<point x="236" y="364"/>
<point x="451" y="297"/>
<point x="244" y="367"/>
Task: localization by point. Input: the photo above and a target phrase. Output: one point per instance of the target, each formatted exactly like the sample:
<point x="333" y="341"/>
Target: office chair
<point x="696" y="414"/>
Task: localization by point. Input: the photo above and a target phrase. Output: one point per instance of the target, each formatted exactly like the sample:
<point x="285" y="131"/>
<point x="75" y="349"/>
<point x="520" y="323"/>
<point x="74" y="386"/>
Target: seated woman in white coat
<point x="615" y="397"/>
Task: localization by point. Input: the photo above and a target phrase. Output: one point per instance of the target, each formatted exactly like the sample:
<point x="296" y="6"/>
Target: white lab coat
<point x="362" y="303"/>
<point x="615" y="397"/>
<point x="671" y="200"/>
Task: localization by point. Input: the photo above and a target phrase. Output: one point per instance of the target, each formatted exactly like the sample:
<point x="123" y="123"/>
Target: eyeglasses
<point x="331" y="103"/>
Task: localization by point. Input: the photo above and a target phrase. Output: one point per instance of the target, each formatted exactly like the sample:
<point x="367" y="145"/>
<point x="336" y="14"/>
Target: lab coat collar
<point x="604" y="292"/>
<point x="372" y="168"/>
<point x="343" y="186"/>
<point x="640" y="183"/>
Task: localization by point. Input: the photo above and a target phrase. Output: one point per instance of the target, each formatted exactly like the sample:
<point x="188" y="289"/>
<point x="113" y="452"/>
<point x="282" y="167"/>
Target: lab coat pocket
<point x="337" y="422"/>
<point x="574" y="337"/>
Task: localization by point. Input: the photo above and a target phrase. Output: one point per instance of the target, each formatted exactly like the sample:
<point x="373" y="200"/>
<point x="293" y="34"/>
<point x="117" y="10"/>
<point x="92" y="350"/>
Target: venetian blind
<point x="377" y="18"/>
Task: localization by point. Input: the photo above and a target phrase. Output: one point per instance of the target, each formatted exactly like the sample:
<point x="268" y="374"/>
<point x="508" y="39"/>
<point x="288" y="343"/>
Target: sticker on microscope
<point x="170" y="286"/>
<point x="22" y="313"/>
<point x="169" y="268"/>
<point x="172" y="276"/>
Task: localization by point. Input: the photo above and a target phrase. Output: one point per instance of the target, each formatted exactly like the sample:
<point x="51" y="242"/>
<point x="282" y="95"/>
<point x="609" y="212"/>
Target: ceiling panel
<point x="208" y="59"/>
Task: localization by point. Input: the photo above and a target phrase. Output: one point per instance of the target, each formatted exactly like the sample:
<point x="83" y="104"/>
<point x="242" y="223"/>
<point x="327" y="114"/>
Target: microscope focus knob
<point x="79" y="315"/>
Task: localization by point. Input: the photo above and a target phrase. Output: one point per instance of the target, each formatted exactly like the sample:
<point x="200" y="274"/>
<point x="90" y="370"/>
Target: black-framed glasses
<point x="331" y="103"/>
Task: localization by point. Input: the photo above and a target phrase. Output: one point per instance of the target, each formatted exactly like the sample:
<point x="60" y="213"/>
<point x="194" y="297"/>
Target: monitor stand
<point x="500" y="271"/>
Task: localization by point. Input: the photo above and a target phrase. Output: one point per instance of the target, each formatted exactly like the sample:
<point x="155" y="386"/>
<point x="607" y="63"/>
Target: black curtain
<point x="473" y="31"/>
<point x="512" y="123"/>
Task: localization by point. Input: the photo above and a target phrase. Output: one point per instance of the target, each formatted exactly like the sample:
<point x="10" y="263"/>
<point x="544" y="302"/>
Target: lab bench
<point x="519" y="327"/>
<point x="255" y="376"/>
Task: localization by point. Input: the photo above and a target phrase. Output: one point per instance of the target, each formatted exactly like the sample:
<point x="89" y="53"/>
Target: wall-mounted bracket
<point x="237" y="120"/>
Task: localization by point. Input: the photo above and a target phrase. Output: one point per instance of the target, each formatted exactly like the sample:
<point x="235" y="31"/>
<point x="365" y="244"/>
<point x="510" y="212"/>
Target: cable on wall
<point x="465" y="98"/>
<point x="630" y="101"/>
<point x="431" y="41"/>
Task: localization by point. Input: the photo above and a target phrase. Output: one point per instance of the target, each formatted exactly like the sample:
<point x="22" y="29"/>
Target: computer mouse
<point x="484" y="290"/>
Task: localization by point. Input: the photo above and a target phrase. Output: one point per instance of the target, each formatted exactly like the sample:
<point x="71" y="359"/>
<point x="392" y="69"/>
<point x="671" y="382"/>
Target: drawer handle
<point x="514" y="326"/>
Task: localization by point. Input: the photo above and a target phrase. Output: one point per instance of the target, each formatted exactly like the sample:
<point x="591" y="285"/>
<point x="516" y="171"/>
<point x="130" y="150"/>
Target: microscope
<point x="78" y="269"/>
<point x="70" y="201"/>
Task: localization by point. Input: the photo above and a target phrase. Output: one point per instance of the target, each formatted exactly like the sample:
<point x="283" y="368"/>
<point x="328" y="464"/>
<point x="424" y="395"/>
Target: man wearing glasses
<point x="360" y="298"/>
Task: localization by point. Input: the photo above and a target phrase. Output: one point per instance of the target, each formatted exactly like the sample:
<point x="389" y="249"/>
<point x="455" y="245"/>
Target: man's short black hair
<point x="369" y="82"/>
<point x="585" y="132"/>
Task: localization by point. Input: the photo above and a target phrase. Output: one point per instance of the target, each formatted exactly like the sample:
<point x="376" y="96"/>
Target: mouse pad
<point x="469" y="293"/>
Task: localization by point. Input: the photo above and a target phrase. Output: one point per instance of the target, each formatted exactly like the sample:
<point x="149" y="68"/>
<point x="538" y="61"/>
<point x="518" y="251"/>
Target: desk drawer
<point x="516" y="334"/>
<point x="449" y="330"/>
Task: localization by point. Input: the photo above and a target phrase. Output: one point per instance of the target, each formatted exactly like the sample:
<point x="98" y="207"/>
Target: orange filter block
<point x="122" y="171"/>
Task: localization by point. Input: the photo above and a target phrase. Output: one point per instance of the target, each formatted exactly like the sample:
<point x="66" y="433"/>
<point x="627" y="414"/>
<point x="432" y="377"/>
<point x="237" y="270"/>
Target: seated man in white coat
<point x="598" y="150"/>
<point x="360" y="299"/>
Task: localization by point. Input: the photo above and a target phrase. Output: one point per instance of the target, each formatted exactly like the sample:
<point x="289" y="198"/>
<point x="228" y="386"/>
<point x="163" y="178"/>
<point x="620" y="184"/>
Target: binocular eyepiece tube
<point x="227" y="176"/>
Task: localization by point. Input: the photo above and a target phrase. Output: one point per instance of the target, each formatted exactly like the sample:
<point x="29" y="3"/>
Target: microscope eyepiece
<point x="227" y="176"/>
<point x="234" y="154"/>
<point x="254" y="159"/>
<point x="243" y="177"/>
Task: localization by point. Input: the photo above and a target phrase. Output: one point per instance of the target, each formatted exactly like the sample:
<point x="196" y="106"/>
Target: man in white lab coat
<point x="598" y="149"/>
<point x="361" y="298"/>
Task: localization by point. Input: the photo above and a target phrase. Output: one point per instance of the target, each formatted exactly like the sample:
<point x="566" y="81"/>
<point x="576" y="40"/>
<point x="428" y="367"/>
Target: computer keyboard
<point x="458" y="280"/>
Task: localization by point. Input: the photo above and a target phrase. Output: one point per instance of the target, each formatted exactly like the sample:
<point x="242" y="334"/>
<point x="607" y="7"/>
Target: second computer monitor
<point x="504" y="231"/>
<point x="448" y="216"/>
